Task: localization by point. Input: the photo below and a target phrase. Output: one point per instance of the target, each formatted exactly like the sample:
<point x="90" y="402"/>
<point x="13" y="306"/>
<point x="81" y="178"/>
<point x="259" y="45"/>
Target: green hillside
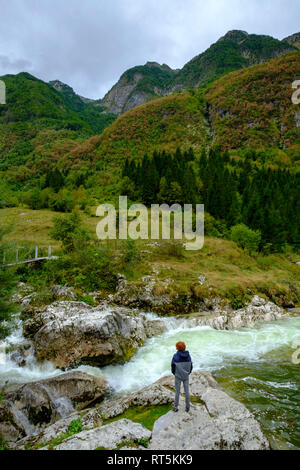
<point x="253" y="108"/>
<point x="247" y="108"/>
<point x="40" y="129"/>
<point x="39" y="125"/>
<point x="236" y="50"/>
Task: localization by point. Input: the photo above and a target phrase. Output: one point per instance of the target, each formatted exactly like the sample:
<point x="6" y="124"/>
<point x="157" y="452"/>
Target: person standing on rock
<point x="181" y="367"/>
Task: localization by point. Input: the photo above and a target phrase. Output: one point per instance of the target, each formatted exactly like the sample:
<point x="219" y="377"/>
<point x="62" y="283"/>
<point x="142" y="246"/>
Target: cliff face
<point x="293" y="40"/>
<point x="236" y="50"/>
<point x="137" y="86"/>
<point x="122" y="95"/>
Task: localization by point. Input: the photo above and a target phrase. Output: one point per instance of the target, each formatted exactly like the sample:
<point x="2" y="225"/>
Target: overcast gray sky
<point x="88" y="44"/>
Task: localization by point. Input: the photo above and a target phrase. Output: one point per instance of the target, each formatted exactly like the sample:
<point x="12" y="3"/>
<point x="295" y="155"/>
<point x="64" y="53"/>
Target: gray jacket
<point x="183" y="370"/>
<point x="182" y="365"/>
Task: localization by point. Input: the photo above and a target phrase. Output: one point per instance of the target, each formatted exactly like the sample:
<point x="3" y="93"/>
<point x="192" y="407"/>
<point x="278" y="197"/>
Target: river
<point x="254" y="365"/>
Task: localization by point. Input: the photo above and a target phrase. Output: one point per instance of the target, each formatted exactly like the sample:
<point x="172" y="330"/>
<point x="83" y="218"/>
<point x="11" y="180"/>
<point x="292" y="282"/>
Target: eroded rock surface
<point x="257" y="310"/>
<point x="107" y="437"/>
<point x="27" y="409"/>
<point x="72" y="333"/>
<point x="215" y="421"/>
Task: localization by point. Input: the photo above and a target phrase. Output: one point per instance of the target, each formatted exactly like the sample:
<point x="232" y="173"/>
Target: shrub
<point x="8" y="198"/>
<point x="245" y="237"/>
<point x="131" y="252"/>
<point x="63" y="201"/>
<point x="69" y="231"/>
<point x="87" y="267"/>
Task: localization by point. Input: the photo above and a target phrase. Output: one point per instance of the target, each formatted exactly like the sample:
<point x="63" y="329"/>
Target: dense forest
<point x="234" y="191"/>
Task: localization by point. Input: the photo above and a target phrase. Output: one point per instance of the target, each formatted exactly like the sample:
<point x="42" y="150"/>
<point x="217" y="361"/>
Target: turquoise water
<point x="253" y="365"/>
<point x="270" y="389"/>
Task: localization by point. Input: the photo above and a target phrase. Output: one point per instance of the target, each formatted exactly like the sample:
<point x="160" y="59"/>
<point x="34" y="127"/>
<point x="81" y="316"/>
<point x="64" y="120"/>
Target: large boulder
<point x="108" y="437"/>
<point x="215" y="421"/>
<point x="27" y="409"/>
<point x="72" y="333"/>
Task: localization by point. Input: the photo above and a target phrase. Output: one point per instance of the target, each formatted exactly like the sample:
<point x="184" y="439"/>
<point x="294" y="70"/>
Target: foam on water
<point x="210" y="349"/>
<point x="254" y="365"/>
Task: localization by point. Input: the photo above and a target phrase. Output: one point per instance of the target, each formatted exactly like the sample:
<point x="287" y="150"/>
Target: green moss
<point x="145" y="415"/>
<point x="3" y="444"/>
<point x="75" y="427"/>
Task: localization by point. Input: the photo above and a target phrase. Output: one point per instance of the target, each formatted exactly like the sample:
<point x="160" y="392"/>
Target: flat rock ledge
<point x="215" y="421"/>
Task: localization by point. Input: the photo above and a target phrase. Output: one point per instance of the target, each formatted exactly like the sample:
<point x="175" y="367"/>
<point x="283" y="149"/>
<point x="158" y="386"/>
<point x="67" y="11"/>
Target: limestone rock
<point x="28" y="408"/>
<point x="71" y="333"/>
<point x="154" y="394"/>
<point x="216" y="422"/>
<point x="154" y="327"/>
<point x="143" y="295"/>
<point x="257" y="310"/>
<point x="108" y="436"/>
<point x="89" y="420"/>
<point x="63" y="293"/>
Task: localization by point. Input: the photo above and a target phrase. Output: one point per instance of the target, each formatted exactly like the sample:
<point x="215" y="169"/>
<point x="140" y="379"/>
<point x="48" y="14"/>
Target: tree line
<point x="233" y="190"/>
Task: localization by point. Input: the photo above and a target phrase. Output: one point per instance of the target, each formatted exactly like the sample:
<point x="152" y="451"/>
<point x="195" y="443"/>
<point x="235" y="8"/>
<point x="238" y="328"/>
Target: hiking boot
<point x="175" y="409"/>
<point x="187" y="410"/>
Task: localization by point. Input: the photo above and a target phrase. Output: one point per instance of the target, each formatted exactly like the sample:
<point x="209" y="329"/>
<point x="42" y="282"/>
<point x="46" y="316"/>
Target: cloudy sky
<point x="89" y="44"/>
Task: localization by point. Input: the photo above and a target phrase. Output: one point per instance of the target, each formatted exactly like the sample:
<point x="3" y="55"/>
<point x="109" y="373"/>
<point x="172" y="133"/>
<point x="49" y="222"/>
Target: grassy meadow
<point x="229" y="271"/>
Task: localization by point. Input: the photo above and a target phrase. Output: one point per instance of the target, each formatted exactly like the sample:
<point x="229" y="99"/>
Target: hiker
<point x="181" y="367"/>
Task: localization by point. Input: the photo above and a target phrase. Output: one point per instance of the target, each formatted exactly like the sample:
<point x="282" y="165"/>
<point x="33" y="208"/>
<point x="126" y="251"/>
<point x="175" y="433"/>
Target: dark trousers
<point x="186" y="391"/>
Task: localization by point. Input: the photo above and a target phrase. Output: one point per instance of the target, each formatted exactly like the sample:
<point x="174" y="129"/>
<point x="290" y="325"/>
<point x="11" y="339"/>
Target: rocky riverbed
<point x="215" y="421"/>
<point x="77" y="410"/>
<point x="70" y="333"/>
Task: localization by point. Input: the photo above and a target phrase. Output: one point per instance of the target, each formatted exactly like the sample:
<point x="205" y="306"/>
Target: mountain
<point x="137" y="86"/>
<point x="40" y="123"/>
<point x="293" y="40"/>
<point x="45" y="126"/>
<point x="236" y="50"/>
<point x="246" y="108"/>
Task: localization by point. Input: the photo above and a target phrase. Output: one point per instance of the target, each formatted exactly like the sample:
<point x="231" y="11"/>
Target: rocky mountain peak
<point x="293" y="40"/>
<point x="235" y="35"/>
<point x="159" y="66"/>
<point x="60" y="86"/>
